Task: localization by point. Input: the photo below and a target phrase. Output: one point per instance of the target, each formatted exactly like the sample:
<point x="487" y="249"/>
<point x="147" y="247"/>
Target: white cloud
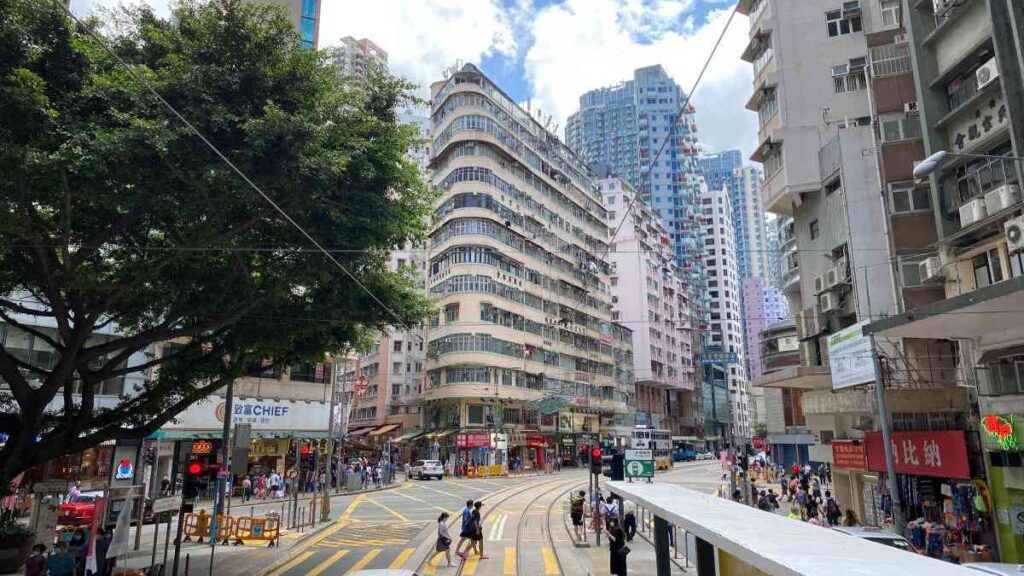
<point x="421" y="37"/>
<point x="585" y="44"/>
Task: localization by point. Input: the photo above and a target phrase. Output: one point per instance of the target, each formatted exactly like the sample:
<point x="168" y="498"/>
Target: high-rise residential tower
<point x="724" y="288"/>
<point x="357" y="57"/>
<point x="648" y="292"/>
<point x="522" y="341"/>
<point x="725" y="171"/>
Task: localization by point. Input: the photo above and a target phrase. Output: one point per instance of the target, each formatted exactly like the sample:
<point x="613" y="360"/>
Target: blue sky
<point x="551" y="51"/>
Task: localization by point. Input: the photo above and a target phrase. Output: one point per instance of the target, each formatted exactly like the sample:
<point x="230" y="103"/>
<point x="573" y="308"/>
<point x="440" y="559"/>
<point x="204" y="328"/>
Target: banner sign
<point x="266" y="414"/>
<point x="709" y="357"/>
<point x="940" y="453"/>
<point x="473" y="440"/>
<point x="847" y="454"/>
<point x="850" y="357"/>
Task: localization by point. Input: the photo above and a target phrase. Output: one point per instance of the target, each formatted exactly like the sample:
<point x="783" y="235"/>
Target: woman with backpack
<point x="833" y="513"/>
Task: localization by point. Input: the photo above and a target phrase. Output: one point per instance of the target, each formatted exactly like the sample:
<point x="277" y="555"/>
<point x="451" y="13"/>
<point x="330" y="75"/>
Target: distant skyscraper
<point x="305" y="15"/>
<point x="725" y="171"/>
<point x="357" y="57"/>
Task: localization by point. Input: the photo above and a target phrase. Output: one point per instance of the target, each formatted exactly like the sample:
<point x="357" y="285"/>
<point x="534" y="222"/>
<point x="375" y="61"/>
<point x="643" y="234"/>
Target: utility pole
<point x="883" y="414"/>
<point x="225" y="473"/>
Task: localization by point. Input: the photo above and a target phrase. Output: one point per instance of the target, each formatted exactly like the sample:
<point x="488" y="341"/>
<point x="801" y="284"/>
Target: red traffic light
<point x="595" y="453"/>
<point x="194" y="468"/>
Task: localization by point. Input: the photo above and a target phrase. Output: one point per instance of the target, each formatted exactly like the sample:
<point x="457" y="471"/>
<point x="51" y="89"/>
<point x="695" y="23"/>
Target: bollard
<point x="187" y="558"/>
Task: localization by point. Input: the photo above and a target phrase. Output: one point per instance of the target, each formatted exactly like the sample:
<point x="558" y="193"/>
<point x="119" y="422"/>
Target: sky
<point x="551" y="51"/>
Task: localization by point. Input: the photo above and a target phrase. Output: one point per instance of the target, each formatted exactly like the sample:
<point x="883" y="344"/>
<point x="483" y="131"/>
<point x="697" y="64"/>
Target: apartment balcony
<point x="791" y="281"/>
<point x="780" y="346"/>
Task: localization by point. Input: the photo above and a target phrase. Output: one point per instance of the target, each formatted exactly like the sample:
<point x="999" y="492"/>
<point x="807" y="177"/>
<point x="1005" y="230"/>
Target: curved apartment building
<point x="521" y="345"/>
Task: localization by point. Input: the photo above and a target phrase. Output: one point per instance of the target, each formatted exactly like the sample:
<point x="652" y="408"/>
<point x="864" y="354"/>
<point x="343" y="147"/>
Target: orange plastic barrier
<point x="252" y="528"/>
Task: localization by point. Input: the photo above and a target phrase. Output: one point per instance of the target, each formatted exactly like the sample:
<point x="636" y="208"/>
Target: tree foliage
<point x="116" y="219"/>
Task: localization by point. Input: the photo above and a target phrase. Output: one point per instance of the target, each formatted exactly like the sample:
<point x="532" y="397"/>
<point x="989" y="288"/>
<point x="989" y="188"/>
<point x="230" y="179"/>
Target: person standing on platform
<point x="617" y="548"/>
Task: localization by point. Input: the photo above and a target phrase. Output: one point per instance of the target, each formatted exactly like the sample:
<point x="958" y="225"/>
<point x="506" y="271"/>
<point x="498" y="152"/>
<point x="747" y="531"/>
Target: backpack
<point x="764" y="504"/>
<point x="577" y="505"/>
<point x="832" y="507"/>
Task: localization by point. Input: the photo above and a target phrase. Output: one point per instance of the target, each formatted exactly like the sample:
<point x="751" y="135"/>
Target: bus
<point x="658" y="441"/>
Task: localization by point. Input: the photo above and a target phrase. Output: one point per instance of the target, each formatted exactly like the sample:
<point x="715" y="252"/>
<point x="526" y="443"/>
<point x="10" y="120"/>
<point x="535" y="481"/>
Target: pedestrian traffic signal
<point x="595" y="460"/>
<point x="613" y="466"/>
<point x="192" y="484"/>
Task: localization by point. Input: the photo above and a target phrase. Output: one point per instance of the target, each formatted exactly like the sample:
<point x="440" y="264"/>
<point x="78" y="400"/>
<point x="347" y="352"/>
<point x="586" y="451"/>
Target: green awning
<point x="408" y="436"/>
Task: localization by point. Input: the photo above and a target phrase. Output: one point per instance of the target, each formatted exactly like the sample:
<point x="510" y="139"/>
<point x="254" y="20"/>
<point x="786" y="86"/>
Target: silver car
<point x="426" y="469"/>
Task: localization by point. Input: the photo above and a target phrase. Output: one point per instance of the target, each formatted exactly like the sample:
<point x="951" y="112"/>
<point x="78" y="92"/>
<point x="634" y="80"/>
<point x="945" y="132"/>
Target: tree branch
<point x="19" y="309"/>
<point x="31" y="330"/>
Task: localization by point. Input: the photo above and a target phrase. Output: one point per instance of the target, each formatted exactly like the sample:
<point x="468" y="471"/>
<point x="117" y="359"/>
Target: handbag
<point x="624" y="551"/>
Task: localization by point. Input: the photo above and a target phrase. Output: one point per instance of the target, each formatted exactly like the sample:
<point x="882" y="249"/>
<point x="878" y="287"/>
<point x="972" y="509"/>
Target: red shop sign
<point x="846" y="454"/>
<point x="940" y="453"/>
<point x="535" y="440"/>
<point x="473" y="440"/>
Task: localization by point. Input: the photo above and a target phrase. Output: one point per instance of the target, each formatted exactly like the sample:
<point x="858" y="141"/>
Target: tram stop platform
<point x="736" y="540"/>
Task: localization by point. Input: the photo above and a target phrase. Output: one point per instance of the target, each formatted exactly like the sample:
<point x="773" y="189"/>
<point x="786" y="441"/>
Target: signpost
<point x="639" y="464"/>
<point x="166" y="504"/>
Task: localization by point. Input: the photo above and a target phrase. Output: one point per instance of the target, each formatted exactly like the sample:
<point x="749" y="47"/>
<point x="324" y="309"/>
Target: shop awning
<point x="384" y="429"/>
<point x="360" y="432"/>
<point x="408" y="436"/>
<point x="443" y="434"/>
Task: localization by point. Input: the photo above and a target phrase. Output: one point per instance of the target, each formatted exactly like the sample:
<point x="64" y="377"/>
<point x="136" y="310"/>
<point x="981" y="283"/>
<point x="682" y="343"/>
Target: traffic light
<point x="595" y="460"/>
<point x="614" y="466"/>
<point x="193" y="470"/>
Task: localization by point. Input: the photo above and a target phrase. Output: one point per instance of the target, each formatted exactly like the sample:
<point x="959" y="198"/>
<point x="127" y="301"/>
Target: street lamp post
<point x="932" y="163"/>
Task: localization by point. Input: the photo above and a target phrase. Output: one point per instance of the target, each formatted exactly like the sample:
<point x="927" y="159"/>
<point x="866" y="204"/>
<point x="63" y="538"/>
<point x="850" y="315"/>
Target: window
<point x="815" y="229"/>
<point x="396" y="367"/>
<point x="982" y="176"/>
<point x="772" y="162"/>
<point x="906" y="198"/>
<point x="611" y="214"/>
<point x="848" y="81"/>
<point x="890" y="60"/>
<point x="839" y="26"/>
<point x="768" y="106"/>
<point x="475" y="414"/>
<point x="398" y="346"/>
<point x="987" y="269"/>
<point x="451" y="313"/>
<point x="833" y="185"/>
<point x="890" y="11"/>
<point x="899" y="126"/>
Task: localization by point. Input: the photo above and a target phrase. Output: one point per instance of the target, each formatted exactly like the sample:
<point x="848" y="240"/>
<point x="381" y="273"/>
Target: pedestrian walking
<point x="609" y="510"/>
<point x="465" y="532"/>
<point x="816" y="490"/>
<point x="617" y="548"/>
<point x="763" y="503"/>
<point x="577" y="508"/>
<point x="444" y="542"/>
<point x="850" y="519"/>
<point x="246" y="489"/>
<point x="832" y="511"/>
<point x="773" y="499"/>
<point x="794" y="513"/>
<point x="477" y="528"/>
<point x="812" y="517"/>
<point x="62" y="561"/>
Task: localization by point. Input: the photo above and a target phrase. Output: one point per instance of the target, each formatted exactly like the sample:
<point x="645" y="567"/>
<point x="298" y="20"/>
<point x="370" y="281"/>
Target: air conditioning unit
<point x="972" y="212"/>
<point x="1003" y="197"/>
<point x="819" y="284"/>
<point x="851" y="9"/>
<point x="858" y="63"/>
<point x="831" y="277"/>
<point x="930" y="269"/>
<point x="1014" y="235"/>
<point x="829" y="302"/>
<point x="840" y="70"/>
<point x="910" y="107"/>
<point x="987" y="73"/>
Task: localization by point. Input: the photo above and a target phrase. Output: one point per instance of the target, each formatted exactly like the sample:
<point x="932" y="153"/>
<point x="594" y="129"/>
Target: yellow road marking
<point x="298" y="560"/>
<point x="402" y="558"/>
<point x="470" y="567"/>
<point x="366" y="559"/>
<point x="421" y="501"/>
<point x="327" y="563"/>
<point x="509" y="566"/>
<point x="351" y="508"/>
<point x="393" y="512"/>
<point x="431" y="567"/>
<point x="550" y="564"/>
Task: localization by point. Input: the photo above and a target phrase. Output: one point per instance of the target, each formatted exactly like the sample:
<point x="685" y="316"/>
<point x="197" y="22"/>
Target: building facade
<point x="724" y="289"/>
<point x="522" y="340"/>
<point x="763" y="305"/>
<point x="305" y="16"/>
<point x="358" y="57"/>
<point x="725" y="171"/>
<point x="649" y="293"/>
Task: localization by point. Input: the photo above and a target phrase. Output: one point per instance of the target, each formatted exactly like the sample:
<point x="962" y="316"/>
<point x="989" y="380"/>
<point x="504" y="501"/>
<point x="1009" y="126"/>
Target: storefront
<point x="1003" y="443"/>
<point x="852" y="485"/>
<point x="948" y="514"/>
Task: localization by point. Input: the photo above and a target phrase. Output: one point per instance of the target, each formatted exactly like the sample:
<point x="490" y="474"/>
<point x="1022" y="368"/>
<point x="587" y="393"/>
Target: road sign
<point x="55" y="487"/>
<point x="639" y="464"/>
<point x="639" y="468"/>
<point x="639" y="455"/>
<point x="166" y="504"/>
<point x="291" y="473"/>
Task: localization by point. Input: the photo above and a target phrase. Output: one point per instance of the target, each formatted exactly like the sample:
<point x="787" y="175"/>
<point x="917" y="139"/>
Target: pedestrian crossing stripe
<point x="372" y="535"/>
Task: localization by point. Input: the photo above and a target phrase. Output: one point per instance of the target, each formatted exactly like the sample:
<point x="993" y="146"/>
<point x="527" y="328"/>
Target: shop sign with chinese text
<point x="941" y="453"/>
<point x="847" y="454"/>
<point x="473" y="440"/>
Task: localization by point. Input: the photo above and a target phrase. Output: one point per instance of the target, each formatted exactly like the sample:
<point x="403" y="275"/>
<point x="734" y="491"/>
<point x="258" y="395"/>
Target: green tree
<point x="116" y="219"/>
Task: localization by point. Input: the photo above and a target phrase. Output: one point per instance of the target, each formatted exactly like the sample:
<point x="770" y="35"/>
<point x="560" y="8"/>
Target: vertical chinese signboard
<point x="941" y="453"/>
